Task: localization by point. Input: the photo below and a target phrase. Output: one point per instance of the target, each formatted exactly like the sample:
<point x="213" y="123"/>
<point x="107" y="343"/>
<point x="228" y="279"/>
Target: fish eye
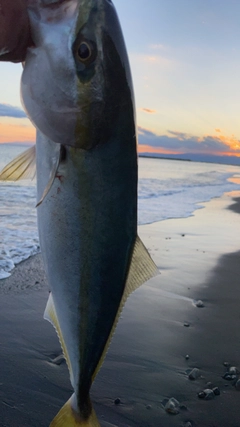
<point x="84" y="51"/>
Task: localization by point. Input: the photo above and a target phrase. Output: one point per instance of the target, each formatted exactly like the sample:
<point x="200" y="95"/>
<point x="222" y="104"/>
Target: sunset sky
<point x="185" y="59"/>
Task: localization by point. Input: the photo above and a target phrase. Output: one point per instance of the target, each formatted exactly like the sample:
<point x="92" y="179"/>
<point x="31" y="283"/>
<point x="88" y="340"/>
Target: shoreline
<point x="198" y="258"/>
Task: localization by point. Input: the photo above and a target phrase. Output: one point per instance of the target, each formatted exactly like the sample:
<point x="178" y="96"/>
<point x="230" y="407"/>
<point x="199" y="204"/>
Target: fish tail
<point x="68" y="417"/>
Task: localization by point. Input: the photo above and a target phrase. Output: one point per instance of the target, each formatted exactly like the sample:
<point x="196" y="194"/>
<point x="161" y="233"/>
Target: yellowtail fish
<point x="77" y="90"/>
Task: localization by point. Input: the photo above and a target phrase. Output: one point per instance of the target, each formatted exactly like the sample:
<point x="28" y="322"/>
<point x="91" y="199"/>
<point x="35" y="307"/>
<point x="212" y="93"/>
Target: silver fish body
<point x="87" y="230"/>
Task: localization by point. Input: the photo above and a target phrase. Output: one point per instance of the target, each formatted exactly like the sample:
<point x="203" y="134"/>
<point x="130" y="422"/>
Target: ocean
<point x="167" y="189"/>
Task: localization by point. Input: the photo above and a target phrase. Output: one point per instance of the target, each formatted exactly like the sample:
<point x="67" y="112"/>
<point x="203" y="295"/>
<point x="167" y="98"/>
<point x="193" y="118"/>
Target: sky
<point x="185" y="61"/>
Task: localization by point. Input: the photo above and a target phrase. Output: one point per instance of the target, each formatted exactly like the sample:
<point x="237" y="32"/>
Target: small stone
<point x="183" y="408"/>
<point x="199" y="304"/>
<point x="172" y="406"/>
<point x="216" y="391"/>
<point x="188" y="424"/>
<point x="201" y="395"/>
<point x="209" y="395"/>
<point x="229" y="377"/>
<point x="186" y="324"/>
<point x="194" y="374"/>
<point x="117" y="401"/>
<point x="226" y="364"/>
<point x="148" y="407"/>
<point x="237" y="385"/>
<point x="233" y="370"/>
<point x="187" y="357"/>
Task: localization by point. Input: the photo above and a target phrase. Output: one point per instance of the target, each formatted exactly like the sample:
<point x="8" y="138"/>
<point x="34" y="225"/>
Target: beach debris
<point x="216" y="391"/>
<point x="237" y="385"/>
<point x="172" y="406"/>
<point x="198" y="303"/>
<point x="186" y="324"/>
<point x="117" y="401"/>
<point x="194" y="374"/>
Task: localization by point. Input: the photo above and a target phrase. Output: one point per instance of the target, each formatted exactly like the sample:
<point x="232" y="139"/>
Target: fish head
<point x="76" y="80"/>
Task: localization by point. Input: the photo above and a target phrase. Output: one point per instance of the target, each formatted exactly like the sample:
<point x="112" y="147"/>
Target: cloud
<point x="7" y="110"/>
<point x="148" y="110"/>
<point x="157" y="46"/>
<point x="180" y="142"/>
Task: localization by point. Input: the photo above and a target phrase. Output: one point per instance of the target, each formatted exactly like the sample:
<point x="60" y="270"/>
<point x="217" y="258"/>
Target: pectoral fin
<point x="22" y="167"/>
<point x="51" y="315"/>
<point x="52" y="175"/>
<point x="142" y="268"/>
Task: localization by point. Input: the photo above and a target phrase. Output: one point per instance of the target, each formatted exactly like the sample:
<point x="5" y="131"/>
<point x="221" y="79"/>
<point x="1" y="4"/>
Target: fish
<point x="77" y="89"/>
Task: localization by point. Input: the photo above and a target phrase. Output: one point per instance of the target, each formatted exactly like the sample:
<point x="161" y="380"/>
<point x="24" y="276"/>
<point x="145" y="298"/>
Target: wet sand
<point x="199" y="259"/>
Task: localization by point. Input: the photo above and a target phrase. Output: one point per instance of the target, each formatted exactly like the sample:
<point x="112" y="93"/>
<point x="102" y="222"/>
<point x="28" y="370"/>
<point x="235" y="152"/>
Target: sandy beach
<point x="199" y="259"/>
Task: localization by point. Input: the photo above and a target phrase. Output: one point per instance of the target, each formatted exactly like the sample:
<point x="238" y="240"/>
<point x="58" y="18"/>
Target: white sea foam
<point x="167" y="189"/>
<point x="175" y="189"/>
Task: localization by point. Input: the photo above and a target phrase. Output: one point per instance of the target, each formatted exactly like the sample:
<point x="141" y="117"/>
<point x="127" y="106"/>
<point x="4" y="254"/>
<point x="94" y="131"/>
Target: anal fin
<point x="142" y="268"/>
<point x="51" y="315"/>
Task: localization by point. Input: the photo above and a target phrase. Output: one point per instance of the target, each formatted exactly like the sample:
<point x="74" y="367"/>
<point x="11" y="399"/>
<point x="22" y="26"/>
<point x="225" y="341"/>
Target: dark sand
<point x="199" y="259"/>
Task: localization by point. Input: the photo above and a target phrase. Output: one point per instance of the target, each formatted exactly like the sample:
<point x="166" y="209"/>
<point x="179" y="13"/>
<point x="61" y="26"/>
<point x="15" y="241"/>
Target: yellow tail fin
<point x="68" y="417"/>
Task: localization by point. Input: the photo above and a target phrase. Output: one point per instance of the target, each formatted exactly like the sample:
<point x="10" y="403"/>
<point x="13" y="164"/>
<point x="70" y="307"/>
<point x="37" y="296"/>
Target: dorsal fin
<point x="142" y="268"/>
<point x="22" y="167"/>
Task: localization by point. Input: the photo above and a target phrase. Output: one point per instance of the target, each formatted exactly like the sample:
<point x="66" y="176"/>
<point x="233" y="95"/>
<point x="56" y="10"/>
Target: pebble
<point x="194" y="374"/>
<point x="233" y="370"/>
<point x="117" y="401"/>
<point x="188" y="424"/>
<point x="183" y="408"/>
<point x="237" y="385"/>
<point x="187" y="357"/>
<point x="186" y="324"/>
<point x="199" y="304"/>
<point x="209" y="394"/>
<point x="229" y="377"/>
<point x="216" y="391"/>
<point x="226" y="364"/>
<point x="172" y="406"/>
<point x="201" y="395"/>
<point x="148" y="407"/>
